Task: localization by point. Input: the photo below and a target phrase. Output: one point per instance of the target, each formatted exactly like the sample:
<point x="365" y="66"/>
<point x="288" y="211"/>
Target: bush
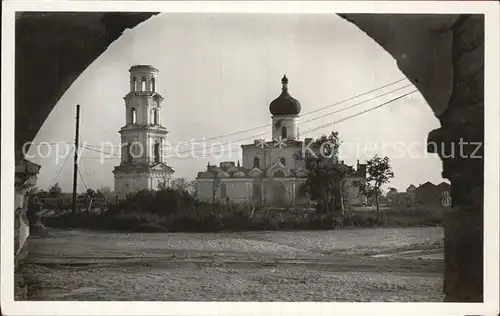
<point x="178" y="211"/>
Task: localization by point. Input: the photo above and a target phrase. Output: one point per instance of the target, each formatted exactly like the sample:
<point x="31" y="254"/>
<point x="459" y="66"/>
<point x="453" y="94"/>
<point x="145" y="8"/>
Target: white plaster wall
<point x="288" y="153"/>
<point x="269" y="155"/>
<point x="290" y="122"/>
<point x="248" y="155"/>
<point x="238" y="189"/>
<point x="146" y="140"/>
<point x="204" y="189"/>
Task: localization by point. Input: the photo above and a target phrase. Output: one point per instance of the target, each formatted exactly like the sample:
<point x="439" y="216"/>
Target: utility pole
<point x="75" y="164"/>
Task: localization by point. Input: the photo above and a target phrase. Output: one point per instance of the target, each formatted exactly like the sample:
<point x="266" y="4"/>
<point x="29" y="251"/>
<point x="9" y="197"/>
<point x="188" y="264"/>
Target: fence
<point x="67" y="202"/>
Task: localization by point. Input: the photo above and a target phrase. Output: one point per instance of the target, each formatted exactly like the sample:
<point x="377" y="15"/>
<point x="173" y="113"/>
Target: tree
<point x="182" y="184"/>
<point x="107" y="193"/>
<point x="162" y="186"/>
<point x="326" y="175"/>
<point x="379" y="173"/>
<point x="55" y="190"/>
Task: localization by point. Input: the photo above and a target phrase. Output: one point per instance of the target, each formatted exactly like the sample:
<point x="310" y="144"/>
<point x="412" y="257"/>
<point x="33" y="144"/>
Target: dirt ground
<point x="404" y="265"/>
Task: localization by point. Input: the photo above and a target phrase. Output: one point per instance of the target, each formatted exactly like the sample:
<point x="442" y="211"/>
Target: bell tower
<point x="285" y="112"/>
<point x="142" y="137"/>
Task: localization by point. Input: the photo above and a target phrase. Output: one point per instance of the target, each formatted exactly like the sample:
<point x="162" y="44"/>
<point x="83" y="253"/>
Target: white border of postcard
<point x="491" y="215"/>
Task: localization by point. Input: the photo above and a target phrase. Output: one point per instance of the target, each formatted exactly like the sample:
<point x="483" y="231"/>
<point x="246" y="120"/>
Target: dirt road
<point x="343" y="265"/>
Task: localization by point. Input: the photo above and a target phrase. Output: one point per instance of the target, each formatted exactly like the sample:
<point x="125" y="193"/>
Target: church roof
<point x="226" y="170"/>
<point x="275" y="143"/>
<point x="285" y="104"/>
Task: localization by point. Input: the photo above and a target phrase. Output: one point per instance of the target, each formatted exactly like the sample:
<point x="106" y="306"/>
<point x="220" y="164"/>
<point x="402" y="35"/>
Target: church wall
<point x="288" y="153"/>
<point x="204" y="189"/>
<point x="268" y="156"/>
<point x="238" y="190"/>
<point x="249" y="153"/>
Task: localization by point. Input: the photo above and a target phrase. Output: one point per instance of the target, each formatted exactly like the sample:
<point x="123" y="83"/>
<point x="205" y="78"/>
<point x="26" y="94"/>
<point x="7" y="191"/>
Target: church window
<point x="157" y="152"/>
<point x="133" y="115"/>
<point x="283" y="132"/>
<point x="143" y="84"/>
<point x="153" y="84"/>
<point x="256" y="162"/>
<point x="283" y="161"/>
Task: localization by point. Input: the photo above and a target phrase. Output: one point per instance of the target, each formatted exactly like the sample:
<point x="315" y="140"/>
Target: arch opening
<point x="283" y="132"/>
<point x="156" y="149"/>
<point x="133" y="116"/>
<point x="256" y="162"/>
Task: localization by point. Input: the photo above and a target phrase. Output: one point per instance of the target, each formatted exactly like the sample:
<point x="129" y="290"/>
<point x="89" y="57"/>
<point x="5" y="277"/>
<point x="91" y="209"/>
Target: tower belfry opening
<point x="142" y="165"/>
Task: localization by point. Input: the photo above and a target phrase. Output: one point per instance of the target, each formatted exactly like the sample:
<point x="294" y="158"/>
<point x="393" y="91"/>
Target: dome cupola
<point x="285" y="104"/>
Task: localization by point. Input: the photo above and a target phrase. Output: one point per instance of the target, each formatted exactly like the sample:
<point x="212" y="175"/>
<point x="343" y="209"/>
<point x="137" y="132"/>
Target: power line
<point x="59" y="172"/>
<point x="357" y="96"/>
<point x="322" y="126"/>
<point x="361" y="113"/>
<point x="81" y="178"/>
<point x="313" y="119"/>
<point x="308" y="131"/>
<point x="102" y="152"/>
<point x="305" y="114"/>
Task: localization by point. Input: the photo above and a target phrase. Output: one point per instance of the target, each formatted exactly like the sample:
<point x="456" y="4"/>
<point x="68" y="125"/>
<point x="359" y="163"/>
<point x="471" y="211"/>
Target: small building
<point x="431" y="194"/>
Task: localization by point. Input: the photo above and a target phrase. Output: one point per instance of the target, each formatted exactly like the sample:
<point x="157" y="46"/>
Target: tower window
<point x="283" y="161"/>
<point x="283" y="132"/>
<point x="134" y="84"/>
<point x="129" y="153"/>
<point x="157" y="152"/>
<point x="256" y="162"/>
<point x="143" y="84"/>
<point x="153" y="84"/>
<point x="155" y="116"/>
<point x="133" y="116"/>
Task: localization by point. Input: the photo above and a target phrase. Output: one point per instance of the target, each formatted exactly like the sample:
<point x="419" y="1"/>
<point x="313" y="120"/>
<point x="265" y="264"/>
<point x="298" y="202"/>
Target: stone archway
<point x="442" y="55"/>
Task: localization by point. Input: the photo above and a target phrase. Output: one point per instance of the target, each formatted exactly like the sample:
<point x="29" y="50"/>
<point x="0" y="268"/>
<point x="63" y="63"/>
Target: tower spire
<point x="284" y="82"/>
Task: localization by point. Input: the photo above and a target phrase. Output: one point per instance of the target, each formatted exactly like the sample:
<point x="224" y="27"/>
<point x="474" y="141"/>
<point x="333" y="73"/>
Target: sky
<point x="218" y="74"/>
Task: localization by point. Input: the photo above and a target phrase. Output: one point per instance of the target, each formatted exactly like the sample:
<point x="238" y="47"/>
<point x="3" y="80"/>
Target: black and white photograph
<point x="218" y="153"/>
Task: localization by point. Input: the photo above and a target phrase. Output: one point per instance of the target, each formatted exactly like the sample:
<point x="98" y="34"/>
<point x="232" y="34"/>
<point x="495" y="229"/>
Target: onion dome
<point x="285" y="104"/>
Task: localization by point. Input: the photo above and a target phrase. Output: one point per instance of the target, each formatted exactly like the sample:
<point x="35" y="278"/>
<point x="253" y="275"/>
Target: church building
<point x="271" y="172"/>
<point x="142" y="137"/>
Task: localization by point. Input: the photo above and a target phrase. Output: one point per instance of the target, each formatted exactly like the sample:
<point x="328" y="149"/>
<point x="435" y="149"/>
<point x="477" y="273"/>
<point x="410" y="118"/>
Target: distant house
<point x="392" y="195"/>
<point x="396" y="198"/>
<point x="431" y="194"/>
